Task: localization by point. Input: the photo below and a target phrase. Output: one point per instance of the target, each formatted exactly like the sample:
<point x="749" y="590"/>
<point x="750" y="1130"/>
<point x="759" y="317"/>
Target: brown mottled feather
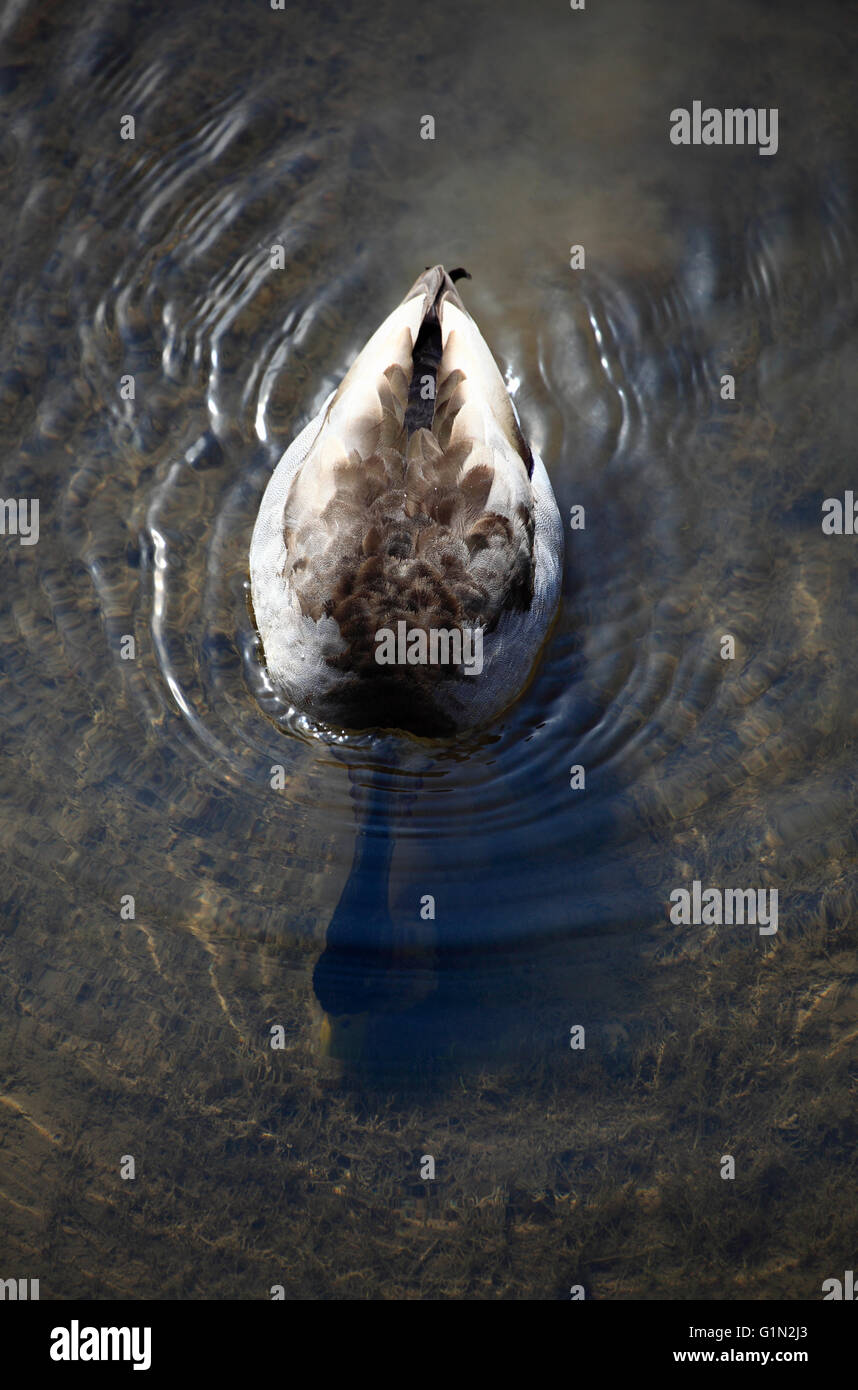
<point x="407" y="533"/>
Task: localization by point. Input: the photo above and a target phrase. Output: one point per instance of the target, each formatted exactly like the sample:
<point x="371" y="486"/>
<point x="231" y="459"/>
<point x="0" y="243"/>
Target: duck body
<point x="406" y="526"/>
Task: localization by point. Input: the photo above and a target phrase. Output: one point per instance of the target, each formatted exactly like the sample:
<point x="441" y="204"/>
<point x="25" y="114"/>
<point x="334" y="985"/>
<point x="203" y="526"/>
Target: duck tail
<point x="437" y="284"/>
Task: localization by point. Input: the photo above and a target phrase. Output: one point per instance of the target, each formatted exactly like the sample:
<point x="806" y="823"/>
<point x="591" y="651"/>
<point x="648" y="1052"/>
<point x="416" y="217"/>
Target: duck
<point x="407" y="556"/>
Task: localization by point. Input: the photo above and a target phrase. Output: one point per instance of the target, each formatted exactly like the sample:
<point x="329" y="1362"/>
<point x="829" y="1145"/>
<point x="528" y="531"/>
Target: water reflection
<point x="157" y="776"/>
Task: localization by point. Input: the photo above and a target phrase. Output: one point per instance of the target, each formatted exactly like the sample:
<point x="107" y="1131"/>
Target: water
<point x="150" y="775"/>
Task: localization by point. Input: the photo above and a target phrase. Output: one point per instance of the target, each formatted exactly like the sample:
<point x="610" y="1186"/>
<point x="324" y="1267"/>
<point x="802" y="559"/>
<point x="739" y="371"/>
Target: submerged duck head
<point x="405" y="564"/>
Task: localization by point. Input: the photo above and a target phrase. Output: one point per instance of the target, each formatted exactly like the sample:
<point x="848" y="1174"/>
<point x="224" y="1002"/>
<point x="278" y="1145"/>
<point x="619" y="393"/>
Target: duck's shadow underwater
<point x="406" y="573"/>
<point x="439" y="957"/>
<point x="229" y="886"/>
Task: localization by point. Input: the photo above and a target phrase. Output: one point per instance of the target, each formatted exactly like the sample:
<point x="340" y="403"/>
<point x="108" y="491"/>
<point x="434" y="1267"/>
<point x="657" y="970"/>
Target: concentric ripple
<point x="157" y="360"/>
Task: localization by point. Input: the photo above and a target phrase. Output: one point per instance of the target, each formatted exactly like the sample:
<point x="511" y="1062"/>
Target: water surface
<point x="150" y="775"/>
